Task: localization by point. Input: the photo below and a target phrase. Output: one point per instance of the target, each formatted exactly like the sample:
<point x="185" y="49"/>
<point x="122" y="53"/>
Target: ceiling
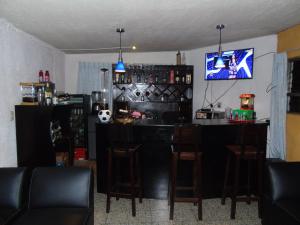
<point x="151" y="25"/>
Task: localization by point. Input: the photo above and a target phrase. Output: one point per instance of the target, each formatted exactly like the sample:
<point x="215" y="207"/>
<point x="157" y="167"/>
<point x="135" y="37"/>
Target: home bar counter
<point x="155" y="137"/>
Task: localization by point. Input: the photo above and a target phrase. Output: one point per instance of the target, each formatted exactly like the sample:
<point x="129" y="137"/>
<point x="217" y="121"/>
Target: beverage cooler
<point x="79" y="124"/>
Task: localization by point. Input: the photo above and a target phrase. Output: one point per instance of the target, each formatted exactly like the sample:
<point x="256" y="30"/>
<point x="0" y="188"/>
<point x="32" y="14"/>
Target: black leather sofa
<point x="281" y="203"/>
<point x="56" y="196"/>
<point x="11" y="193"/>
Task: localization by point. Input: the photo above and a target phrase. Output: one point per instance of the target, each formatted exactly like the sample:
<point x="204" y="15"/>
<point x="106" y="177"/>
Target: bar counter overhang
<point x="155" y="156"/>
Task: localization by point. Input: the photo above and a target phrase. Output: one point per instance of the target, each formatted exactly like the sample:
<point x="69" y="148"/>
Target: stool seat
<point x="248" y="152"/>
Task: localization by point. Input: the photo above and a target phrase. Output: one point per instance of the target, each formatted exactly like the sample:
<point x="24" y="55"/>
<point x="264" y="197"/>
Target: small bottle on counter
<point x="47" y="76"/>
<point x="41" y="76"/>
<point x="48" y="94"/>
<point x="54" y="98"/>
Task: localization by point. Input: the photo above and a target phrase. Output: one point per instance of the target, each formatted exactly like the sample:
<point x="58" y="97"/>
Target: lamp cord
<point x="120" y="50"/>
<point x="220" y="49"/>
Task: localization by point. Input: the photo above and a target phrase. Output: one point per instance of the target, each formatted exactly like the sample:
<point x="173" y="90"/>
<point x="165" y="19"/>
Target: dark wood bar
<point x="155" y="136"/>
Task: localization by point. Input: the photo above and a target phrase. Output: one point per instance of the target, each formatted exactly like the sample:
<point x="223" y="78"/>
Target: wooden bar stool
<point x="185" y="148"/>
<point x="123" y="150"/>
<point x="249" y="148"/>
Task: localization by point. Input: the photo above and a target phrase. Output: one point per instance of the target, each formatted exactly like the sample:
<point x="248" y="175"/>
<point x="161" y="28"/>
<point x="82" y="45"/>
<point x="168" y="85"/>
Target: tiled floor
<point x="156" y="212"/>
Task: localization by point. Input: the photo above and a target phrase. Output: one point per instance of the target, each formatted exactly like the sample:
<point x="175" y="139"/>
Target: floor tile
<point x="156" y="212"/>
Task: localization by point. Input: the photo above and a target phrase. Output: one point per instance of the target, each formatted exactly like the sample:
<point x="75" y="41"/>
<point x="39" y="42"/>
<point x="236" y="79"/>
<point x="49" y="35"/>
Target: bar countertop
<point x="199" y="122"/>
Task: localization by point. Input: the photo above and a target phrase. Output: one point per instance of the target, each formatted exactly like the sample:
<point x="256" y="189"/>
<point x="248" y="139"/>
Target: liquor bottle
<point x="54" y="98"/>
<point x="47" y="76"/>
<point x="178" y="58"/>
<point x="138" y="78"/>
<point x="41" y="96"/>
<point x="188" y="78"/>
<point x="183" y="59"/>
<point x="177" y="78"/>
<point x="48" y="94"/>
<point x="117" y="78"/>
<point x="171" y="77"/>
<point x="129" y="80"/>
<point x="122" y="78"/>
<point x="41" y="76"/>
<point x="183" y="79"/>
<point x="156" y="78"/>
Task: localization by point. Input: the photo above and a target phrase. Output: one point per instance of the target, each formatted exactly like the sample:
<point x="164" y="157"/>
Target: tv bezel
<point x="234" y="78"/>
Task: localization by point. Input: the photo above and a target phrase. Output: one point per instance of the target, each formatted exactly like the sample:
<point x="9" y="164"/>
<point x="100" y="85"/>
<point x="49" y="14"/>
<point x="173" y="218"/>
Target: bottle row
<point x="44" y="77"/>
<point x="173" y="77"/>
<point x="46" y="95"/>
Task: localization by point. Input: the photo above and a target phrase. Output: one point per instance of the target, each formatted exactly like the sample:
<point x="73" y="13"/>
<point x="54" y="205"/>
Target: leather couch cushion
<point x="291" y="208"/>
<point x="6" y="214"/>
<point x="283" y="182"/>
<point x="11" y="183"/>
<point x="54" y="216"/>
<point x="60" y="187"/>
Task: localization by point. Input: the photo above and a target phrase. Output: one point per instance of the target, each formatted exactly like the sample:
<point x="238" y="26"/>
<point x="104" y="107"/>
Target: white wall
<point x="72" y="61"/>
<point x="257" y="85"/>
<point x="21" y="57"/>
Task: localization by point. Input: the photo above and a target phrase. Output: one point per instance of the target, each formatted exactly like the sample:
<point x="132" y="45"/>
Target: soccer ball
<point x="104" y="116"/>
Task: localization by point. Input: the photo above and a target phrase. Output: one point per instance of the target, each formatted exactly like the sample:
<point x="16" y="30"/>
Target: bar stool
<point x="123" y="149"/>
<point x="185" y="148"/>
<point x="249" y="148"/>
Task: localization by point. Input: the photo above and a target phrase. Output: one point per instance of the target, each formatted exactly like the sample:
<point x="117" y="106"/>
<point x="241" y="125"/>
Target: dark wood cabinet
<point x="34" y="145"/>
<point x="159" y="91"/>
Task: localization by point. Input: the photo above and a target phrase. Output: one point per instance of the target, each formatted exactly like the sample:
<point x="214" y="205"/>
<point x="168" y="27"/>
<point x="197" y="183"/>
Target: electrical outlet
<point x="11" y="115"/>
<point x="219" y="104"/>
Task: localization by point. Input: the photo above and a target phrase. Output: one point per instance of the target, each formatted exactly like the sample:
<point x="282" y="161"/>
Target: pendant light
<point x="220" y="62"/>
<point x="120" y="68"/>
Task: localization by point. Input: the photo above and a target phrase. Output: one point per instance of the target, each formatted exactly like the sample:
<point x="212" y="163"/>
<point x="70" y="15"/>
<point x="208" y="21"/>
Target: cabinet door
<point x="34" y="147"/>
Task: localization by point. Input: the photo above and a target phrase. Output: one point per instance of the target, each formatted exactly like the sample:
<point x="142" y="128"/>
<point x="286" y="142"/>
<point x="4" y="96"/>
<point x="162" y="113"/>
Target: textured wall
<point x="21" y="57"/>
<point x="258" y="85"/>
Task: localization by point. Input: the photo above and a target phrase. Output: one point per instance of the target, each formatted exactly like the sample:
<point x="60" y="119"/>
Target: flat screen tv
<point x="238" y="65"/>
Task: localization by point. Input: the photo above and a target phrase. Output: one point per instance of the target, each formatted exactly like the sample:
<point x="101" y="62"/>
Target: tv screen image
<point x="238" y="65"/>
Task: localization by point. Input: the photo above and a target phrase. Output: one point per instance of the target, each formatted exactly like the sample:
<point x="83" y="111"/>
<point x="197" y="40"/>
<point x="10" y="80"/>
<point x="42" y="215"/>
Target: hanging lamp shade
<point x="220" y="62"/>
<point x="120" y="67"/>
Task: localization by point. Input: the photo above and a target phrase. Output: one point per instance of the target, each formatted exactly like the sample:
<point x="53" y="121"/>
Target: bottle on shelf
<point x="188" y="78"/>
<point x="177" y="78"/>
<point x="156" y="78"/>
<point x="47" y="76"/>
<point x="122" y="78"/>
<point x="183" y="79"/>
<point x="129" y="79"/>
<point x="178" y="58"/>
<point x="41" y="76"/>
<point x="138" y="78"/>
<point x="117" y="78"/>
<point x="142" y="98"/>
<point x="183" y="59"/>
<point x="182" y="98"/>
<point x="171" y="80"/>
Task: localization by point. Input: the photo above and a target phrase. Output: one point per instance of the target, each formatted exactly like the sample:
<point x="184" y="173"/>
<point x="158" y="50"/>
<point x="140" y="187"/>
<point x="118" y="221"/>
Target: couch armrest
<point x="284" y="180"/>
